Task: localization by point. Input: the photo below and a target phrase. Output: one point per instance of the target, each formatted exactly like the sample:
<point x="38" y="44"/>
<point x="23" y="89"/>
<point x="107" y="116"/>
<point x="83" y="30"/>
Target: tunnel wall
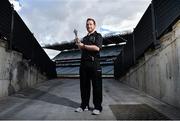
<point x="157" y="73"/>
<point x="21" y="39"/>
<point x="15" y="72"/>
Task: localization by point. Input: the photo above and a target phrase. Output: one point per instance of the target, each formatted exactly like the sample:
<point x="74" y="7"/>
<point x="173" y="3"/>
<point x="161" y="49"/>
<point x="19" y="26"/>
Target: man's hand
<point x="80" y="45"/>
<point x="76" y="40"/>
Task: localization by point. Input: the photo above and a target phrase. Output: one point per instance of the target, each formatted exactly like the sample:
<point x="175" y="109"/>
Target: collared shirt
<point x="92" y="39"/>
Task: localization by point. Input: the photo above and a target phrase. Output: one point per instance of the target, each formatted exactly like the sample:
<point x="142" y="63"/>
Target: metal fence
<point x="166" y="13"/>
<point x="126" y="57"/>
<point x="143" y="33"/>
<point x="5" y="18"/>
<point x="156" y="21"/>
<point x="22" y="40"/>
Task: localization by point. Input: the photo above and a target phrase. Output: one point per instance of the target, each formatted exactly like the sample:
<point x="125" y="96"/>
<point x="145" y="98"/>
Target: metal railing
<point x="22" y="40"/>
<point x="156" y="21"/>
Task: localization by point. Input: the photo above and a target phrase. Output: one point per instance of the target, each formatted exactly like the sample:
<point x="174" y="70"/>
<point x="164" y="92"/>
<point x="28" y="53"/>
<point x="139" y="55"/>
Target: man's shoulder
<point x="98" y="34"/>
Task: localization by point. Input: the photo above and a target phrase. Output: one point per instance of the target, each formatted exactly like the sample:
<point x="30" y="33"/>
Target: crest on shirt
<point x="92" y="39"/>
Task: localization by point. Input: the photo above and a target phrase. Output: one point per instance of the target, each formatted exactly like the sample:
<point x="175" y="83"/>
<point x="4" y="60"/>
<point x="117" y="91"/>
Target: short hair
<point x="91" y="19"/>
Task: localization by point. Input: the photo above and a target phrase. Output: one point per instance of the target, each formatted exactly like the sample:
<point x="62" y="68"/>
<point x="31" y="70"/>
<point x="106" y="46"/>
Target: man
<point x="90" y="69"/>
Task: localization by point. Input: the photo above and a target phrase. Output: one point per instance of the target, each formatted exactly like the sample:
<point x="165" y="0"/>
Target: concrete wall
<point x="15" y="72"/>
<point x="158" y="72"/>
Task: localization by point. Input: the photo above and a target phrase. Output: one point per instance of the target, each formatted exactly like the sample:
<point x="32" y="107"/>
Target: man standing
<point x="90" y="69"/>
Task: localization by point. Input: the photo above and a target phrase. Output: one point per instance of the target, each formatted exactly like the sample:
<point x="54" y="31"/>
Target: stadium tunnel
<point x="148" y="60"/>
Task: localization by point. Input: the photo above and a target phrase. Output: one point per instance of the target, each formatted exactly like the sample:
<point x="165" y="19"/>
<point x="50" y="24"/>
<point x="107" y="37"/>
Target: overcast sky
<point x="53" y="21"/>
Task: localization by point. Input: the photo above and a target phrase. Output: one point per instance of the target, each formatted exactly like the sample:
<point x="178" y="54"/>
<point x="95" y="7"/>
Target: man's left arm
<point x="96" y="47"/>
<point x="88" y="47"/>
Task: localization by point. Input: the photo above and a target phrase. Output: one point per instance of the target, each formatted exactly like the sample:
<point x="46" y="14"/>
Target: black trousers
<point x="90" y="71"/>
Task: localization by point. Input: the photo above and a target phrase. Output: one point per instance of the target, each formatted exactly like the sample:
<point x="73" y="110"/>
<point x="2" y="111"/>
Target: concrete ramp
<point x="57" y="100"/>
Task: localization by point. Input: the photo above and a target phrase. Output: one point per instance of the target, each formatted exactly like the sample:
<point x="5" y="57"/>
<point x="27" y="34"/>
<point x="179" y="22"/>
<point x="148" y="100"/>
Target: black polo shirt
<point x="92" y="39"/>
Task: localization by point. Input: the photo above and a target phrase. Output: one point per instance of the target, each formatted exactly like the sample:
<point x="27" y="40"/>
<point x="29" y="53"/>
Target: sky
<point x="53" y="21"/>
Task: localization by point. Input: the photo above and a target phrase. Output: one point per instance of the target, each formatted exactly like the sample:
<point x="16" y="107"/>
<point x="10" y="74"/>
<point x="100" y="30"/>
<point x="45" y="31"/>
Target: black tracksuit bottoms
<point x="90" y="71"/>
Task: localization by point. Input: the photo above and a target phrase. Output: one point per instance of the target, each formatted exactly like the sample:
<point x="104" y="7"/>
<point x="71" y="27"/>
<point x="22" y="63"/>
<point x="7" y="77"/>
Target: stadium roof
<point x="110" y="39"/>
<point x="75" y="54"/>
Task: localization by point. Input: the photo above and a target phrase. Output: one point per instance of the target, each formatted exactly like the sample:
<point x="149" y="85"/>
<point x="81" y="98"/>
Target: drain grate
<point x="136" y="112"/>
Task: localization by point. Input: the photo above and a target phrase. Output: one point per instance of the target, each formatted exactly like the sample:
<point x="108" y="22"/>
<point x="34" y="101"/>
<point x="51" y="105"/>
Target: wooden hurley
<point x="76" y="36"/>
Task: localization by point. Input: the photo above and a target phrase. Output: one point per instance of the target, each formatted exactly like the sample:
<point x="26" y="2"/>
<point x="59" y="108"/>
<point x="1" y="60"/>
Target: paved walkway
<point x="57" y="100"/>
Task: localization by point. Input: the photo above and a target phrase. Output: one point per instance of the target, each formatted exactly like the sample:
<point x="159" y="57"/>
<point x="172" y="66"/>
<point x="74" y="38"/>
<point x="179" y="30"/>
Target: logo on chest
<point x="92" y="39"/>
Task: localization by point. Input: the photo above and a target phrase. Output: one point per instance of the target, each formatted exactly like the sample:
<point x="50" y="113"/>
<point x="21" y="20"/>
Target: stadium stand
<point x="68" y="62"/>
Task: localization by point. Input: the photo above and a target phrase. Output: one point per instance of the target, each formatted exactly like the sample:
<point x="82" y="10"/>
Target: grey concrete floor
<point x="57" y="99"/>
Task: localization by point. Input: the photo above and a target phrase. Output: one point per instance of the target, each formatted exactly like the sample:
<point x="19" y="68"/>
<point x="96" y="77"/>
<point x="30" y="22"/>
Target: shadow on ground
<point x="35" y="94"/>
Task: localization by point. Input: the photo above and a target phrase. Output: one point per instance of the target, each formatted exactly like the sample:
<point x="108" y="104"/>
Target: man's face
<point x="90" y="26"/>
